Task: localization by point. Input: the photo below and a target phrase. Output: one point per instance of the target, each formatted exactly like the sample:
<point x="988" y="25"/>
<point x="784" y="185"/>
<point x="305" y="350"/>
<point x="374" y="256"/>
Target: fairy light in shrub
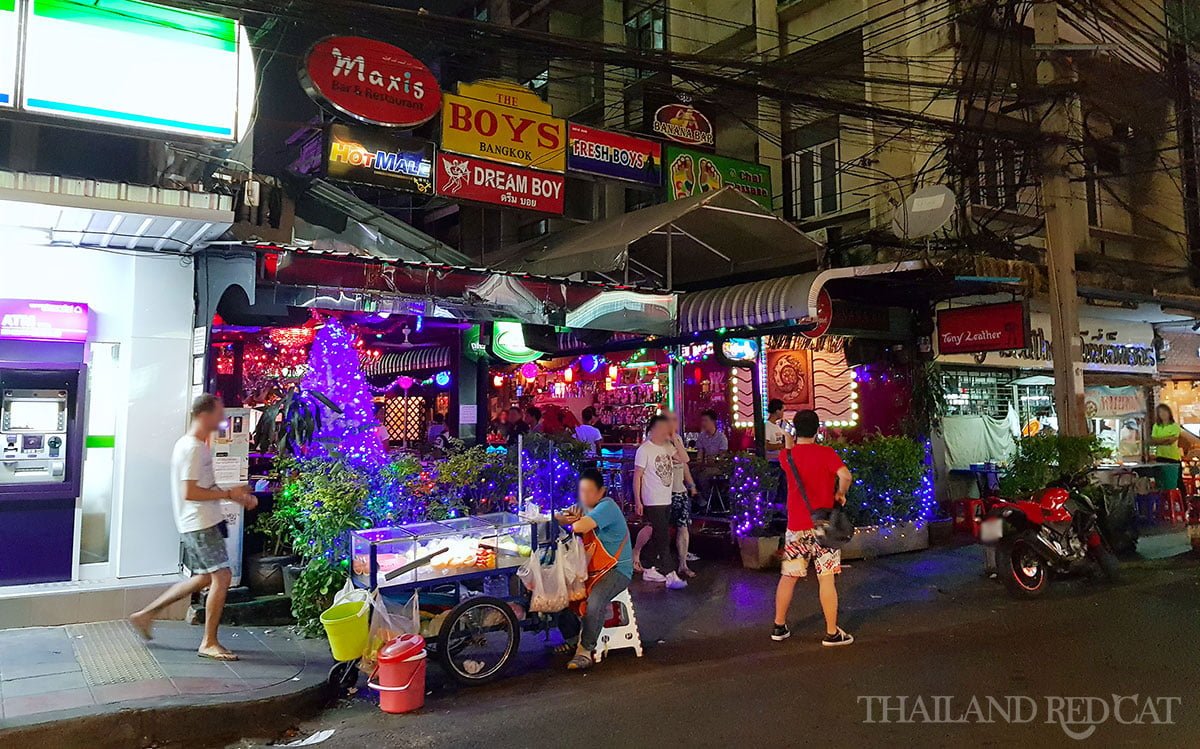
<point x="752" y="508"/>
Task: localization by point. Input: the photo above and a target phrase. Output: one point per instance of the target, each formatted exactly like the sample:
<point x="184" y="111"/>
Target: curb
<point x="159" y="722"/>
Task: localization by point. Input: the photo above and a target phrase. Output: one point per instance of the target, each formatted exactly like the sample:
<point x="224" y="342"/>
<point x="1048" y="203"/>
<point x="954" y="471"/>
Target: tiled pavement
<point x="106" y="666"/>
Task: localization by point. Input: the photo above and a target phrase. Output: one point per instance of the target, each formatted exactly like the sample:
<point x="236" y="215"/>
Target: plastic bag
<point x="550" y="594"/>
<point x="350" y="594"/>
<point x="387" y="625"/>
<point x="574" y="560"/>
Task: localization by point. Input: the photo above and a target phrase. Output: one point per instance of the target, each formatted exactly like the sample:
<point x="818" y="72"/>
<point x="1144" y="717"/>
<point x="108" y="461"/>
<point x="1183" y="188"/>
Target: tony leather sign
<point x="989" y="327"/>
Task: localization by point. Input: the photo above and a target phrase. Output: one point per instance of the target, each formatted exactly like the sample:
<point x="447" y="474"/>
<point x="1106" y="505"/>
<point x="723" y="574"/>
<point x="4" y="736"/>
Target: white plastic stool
<point x="624" y="635"/>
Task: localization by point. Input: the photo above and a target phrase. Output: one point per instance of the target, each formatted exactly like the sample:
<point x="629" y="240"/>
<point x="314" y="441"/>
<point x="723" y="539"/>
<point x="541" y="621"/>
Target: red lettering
<point x="460" y="117"/>
<point x="486" y="123"/>
<point x="518" y="127"/>
<point x="548" y="135"/>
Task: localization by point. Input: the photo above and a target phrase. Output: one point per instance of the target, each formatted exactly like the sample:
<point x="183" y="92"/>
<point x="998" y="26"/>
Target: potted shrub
<point x="892" y="496"/>
<point x="753" y="484"/>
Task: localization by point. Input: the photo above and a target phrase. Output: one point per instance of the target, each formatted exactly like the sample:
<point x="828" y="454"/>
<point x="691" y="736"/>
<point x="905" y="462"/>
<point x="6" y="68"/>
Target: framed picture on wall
<point x="789" y="378"/>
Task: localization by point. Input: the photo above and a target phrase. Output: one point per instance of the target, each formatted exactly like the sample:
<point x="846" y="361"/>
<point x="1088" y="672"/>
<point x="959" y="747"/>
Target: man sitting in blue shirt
<point x="605" y="535"/>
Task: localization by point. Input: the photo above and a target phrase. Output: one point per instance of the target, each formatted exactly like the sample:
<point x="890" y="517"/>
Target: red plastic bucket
<point x="400" y="677"/>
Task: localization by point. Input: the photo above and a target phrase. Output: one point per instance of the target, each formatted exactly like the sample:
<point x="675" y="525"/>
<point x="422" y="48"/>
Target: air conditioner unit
<point x="820" y="236"/>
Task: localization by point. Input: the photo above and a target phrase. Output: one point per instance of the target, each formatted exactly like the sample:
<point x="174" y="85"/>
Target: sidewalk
<point x="100" y="685"/>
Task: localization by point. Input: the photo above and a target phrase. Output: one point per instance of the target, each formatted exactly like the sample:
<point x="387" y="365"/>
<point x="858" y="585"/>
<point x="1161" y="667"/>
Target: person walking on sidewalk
<point x="817" y="473"/>
<point x="653" y="478"/>
<point x="197" y="501"/>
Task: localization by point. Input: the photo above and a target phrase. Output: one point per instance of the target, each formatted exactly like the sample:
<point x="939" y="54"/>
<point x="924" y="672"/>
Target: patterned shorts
<point x="802" y="548"/>
<point x="204" y="551"/>
<point x="681" y="510"/>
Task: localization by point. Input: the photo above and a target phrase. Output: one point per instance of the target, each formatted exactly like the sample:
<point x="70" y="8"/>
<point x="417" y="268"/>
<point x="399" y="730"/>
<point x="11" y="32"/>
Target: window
<point x="645" y="25"/>
<point x="814" y="188"/>
<point x="999" y="176"/>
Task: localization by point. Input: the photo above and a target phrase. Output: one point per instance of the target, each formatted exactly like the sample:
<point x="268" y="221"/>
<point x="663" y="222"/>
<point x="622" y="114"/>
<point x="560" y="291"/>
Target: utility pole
<point x="1064" y="204"/>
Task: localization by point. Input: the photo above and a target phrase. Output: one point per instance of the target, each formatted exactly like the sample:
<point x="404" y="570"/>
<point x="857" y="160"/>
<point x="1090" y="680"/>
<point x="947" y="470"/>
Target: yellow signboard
<point x="505" y="123"/>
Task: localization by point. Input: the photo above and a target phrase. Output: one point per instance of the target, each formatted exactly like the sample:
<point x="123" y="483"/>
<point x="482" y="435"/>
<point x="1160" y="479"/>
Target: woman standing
<point x="1165" y="439"/>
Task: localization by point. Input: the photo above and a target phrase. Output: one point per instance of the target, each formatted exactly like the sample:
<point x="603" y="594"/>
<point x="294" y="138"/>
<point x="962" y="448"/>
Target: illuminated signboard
<point x="740" y="349"/>
<point x="379" y="157"/>
<point x="371" y="81"/>
<point x="503" y="122"/>
<point x="464" y="178"/>
<point x="133" y="63"/>
<point x="37" y="320"/>
<point x="693" y="172"/>
<point x="8" y="52"/>
<point x="615" y="155"/>
<point x="508" y="343"/>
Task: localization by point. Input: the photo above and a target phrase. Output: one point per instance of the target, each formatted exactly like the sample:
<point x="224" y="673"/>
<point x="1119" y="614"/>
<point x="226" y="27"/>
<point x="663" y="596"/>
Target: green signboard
<point x="695" y="172"/>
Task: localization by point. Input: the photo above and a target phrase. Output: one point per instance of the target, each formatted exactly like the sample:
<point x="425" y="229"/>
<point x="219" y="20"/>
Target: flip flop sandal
<point x="580" y="663"/>
<point x="223" y="657"/>
<point x="686" y="573"/>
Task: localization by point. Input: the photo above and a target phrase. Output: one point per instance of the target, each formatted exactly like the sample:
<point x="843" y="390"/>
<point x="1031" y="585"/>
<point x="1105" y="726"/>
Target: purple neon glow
<point x="41" y="320"/>
<point x="333" y="370"/>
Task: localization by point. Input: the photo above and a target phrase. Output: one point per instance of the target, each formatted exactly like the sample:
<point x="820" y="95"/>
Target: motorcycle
<point x="1060" y="531"/>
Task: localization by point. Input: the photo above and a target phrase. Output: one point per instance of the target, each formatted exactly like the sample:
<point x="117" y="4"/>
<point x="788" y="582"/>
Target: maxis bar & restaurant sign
<point x="616" y="155"/>
<point x="379" y="157"/>
<point x="466" y="178"/>
<point x="503" y="122"/>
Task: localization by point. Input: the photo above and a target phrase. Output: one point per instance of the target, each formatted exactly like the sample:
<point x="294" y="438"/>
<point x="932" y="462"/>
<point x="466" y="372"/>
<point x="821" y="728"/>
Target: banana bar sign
<point x="506" y="123"/>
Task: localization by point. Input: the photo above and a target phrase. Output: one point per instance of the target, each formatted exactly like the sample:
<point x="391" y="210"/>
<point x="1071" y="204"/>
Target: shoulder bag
<point x="833" y="526"/>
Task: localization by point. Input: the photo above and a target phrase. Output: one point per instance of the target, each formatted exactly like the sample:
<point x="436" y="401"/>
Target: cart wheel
<point x="478" y="640"/>
<point x="343" y="675"/>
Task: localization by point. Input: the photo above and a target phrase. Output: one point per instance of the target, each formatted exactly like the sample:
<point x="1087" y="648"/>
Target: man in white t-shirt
<point x="587" y="432"/>
<point x="773" y="431"/>
<point x="197" y="501"/>
<point x="653" y="480"/>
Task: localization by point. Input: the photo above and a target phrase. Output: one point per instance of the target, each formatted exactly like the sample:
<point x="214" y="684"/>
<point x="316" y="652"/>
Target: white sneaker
<point x="652" y="575"/>
<point x="692" y="557"/>
<point x="675" y="582"/>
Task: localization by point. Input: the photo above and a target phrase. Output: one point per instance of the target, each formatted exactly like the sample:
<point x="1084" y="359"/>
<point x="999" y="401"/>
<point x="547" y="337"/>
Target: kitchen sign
<point x="36" y="320"/>
<point x="683" y="124"/>
<point x="693" y="173"/>
<point x="504" y="122"/>
<point x="371" y="81"/>
<point x="616" y="155"/>
<point x="465" y="178"/>
<point x="379" y="157"/>
<point x="989" y="327"/>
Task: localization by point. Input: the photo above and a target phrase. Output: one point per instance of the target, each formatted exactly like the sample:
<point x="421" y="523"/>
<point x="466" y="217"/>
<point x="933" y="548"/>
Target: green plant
<point x="288" y="425"/>
<point x="891" y="480"/>
<point x="330" y="500"/>
<point x="1044" y="458"/>
<point x="314" y="591"/>
<point x="753" y="485"/>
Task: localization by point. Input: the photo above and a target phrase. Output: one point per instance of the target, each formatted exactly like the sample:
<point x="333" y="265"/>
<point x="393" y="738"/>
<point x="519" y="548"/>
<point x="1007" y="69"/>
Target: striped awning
<point x="412" y="360"/>
<point x="772" y="301"/>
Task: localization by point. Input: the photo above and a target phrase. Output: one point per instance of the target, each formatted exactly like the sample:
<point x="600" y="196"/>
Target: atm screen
<point x="33" y="416"/>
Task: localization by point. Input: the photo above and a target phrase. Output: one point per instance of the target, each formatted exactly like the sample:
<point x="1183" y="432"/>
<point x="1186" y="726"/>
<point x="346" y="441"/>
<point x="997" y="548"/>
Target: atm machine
<point x="42" y="389"/>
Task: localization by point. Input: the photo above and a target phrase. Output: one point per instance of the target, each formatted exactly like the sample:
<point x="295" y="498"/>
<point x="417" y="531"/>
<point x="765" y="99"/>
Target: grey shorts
<point x="204" y="551"/>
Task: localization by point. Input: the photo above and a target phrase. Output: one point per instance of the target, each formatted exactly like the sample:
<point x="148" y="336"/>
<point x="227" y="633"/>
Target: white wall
<point x="144" y="303"/>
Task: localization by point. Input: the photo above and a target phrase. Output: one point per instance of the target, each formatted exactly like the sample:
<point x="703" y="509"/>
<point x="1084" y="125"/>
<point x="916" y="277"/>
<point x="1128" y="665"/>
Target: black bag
<point x="833" y="527"/>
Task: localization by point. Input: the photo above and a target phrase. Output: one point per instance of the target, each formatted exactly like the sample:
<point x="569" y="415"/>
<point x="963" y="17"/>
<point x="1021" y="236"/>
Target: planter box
<point x="263" y="573"/>
<point x="759" y="552"/>
<point x="880" y="541"/>
<point x="941" y="532"/>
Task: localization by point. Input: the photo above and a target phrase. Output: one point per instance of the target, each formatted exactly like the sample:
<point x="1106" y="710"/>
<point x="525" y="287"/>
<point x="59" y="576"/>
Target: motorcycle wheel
<point x="1108" y="564"/>
<point x="1022" y="569"/>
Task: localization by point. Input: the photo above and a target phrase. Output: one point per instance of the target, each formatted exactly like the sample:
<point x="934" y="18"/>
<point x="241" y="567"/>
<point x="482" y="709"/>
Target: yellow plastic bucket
<point x="346" y="626"/>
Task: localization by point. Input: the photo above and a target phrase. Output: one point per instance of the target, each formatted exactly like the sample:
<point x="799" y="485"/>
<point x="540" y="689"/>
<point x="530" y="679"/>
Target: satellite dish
<point x="924" y="212"/>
